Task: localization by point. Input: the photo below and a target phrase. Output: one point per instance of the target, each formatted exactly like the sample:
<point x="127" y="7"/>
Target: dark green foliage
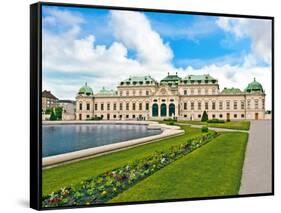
<point x="56" y="114"/>
<point x="104" y="187"/>
<point x="204" y="116"/>
<point x="215" y="121"/>
<point x="48" y="111"/>
<point x="204" y="129"/>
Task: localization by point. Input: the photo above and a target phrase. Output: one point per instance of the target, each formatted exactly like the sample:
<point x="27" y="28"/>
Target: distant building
<point x="68" y="106"/>
<point x="48" y="100"/>
<point x="143" y="98"/>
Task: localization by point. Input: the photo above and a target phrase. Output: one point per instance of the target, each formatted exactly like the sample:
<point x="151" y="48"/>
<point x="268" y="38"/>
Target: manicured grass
<point x="240" y="125"/>
<point x="213" y="170"/>
<point x="70" y="174"/>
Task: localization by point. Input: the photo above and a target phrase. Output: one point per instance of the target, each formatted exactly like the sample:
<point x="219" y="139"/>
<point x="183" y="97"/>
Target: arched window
<point x="154" y="110"/>
<point x="172" y="109"/>
<point x="163" y="110"/>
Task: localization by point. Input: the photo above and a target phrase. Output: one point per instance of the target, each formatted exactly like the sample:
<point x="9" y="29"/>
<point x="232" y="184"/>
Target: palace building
<point x="144" y="98"/>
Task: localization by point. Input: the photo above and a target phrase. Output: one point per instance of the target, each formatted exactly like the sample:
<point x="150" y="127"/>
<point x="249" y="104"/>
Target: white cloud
<point x="99" y="65"/>
<point x="258" y="30"/>
<point x="134" y="30"/>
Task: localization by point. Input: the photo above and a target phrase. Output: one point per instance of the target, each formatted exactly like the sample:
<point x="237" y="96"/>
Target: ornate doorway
<point x="172" y="110"/>
<point x="155" y="110"/>
<point x="163" y="110"/>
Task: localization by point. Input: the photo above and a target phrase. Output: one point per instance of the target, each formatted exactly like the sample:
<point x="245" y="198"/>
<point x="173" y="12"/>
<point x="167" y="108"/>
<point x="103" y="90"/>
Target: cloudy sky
<point x="103" y="47"/>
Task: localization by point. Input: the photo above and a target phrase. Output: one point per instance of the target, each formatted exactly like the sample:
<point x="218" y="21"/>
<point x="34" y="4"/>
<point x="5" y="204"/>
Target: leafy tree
<point x="204" y="116"/>
<point x="53" y="116"/>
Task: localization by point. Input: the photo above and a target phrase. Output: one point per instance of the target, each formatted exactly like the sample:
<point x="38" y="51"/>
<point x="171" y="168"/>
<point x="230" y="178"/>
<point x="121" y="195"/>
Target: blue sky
<point x="86" y="44"/>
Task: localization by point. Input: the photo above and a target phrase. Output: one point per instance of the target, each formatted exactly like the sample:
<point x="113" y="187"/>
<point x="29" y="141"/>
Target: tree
<point x="204" y="116"/>
<point x="53" y="116"/>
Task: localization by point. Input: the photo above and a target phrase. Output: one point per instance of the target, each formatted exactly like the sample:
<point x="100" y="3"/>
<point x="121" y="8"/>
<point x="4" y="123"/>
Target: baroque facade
<point x="143" y="98"/>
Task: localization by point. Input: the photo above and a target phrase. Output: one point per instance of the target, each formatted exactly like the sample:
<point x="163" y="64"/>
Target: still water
<point x="59" y="139"/>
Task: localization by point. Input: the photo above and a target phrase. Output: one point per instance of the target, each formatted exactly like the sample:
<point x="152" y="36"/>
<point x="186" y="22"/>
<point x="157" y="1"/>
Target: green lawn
<point x="69" y="174"/>
<point x="213" y="170"/>
<point x="240" y="125"/>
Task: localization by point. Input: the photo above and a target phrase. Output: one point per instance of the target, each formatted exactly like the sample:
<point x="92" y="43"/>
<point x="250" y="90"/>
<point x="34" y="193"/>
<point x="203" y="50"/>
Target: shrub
<point x="204" y="116"/>
<point x="215" y="121"/>
<point x="204" y="129"/>
<point x="104" y="187"/>
<point x="228" y="120"/>
<point x="171" y="123"/>
<point x="170" y="119"/>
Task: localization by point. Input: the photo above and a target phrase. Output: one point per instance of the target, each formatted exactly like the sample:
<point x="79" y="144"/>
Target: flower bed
<point x="104" y="187"/>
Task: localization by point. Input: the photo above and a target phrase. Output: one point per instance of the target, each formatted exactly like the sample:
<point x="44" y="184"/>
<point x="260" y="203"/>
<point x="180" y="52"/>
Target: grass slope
<point x="213" y="170"/>
<point x="69" y="174"/>
<point x="240" y="125"/>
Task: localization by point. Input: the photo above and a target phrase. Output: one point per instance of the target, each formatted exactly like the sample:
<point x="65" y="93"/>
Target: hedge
<point x="104" y="187"/>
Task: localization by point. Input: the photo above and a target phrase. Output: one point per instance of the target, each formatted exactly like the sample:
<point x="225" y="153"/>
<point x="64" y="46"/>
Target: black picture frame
<point x="36" y="105"/>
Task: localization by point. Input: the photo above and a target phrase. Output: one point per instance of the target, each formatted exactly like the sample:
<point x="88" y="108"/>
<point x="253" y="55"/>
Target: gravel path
<point x="257" y="170"/>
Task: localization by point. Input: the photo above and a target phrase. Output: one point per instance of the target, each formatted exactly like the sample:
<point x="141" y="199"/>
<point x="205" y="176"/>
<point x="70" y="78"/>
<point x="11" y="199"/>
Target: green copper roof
<point x="171" y="79"/>
<point x="204" y="79"/>
<point x="139" y="80"/>
<point x="254" y="86"/>
<point x="231" y="90"/>
<point x="105" y="91"/>
<point x="85" y="90"/>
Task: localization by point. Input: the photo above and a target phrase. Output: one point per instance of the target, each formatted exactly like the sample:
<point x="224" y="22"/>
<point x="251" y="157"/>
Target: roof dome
<point x="85" y="90"/>
<point x="254" y="86"/>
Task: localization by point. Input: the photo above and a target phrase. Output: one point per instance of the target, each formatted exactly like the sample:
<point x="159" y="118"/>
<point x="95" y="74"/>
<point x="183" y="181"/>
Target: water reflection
<point x="59" y="139"/>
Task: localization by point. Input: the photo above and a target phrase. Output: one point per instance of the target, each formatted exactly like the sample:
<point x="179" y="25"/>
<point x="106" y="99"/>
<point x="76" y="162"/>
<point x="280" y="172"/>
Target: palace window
<point x="140" y="92"/>
<point x="235" y="105"/>
<point x="199" y="91"/>
<point x="228" y="105"/>
<point x="220" y="105"/>
<point x="147" y="106"/>
<point x="127" y="106"/>
<point x="80" y="106"/>
<point x="120" y="93"/>
<point x="147" y="92"/>
<point x="192" y="105"/>
<point x="96" y="106"/>
<point x="120" y="106"/>
<point x="199" y="105"/>
<point x="114" y="116"/>
<point x="248" y="104"/>
<point x="213" y="116"/>
<point x="199" y="115"/>
<point x="88" y="116"/>
<point x="108" y="106"/>
<point x="140" y="106"/>
<point x="101" y="107"/>
<point x="127" y="93"/>
<point x="185" y="106"/>
<point x="88" y="106"/>
<point x="220" y="115"/>
<point x="206" y="105"/>
<point x="206" y="91"/>
<point x="114" y="106"/>
<point x="214" y="90"/>
<point x="134" y="116"/>
<point x="185" y="92"/>
<point x="262" y="103"/>
<point x="192" y="91"/>
<point x="213" y="105"/>
<point x="127" y="116"/>
<point x="235" y="115"/>
<point x="134" y="92"/>
<point x="134" y="106"/>
<point x="242" y="115"/>
<point x="256" y="103"/>
<point x="242" y="105"/>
